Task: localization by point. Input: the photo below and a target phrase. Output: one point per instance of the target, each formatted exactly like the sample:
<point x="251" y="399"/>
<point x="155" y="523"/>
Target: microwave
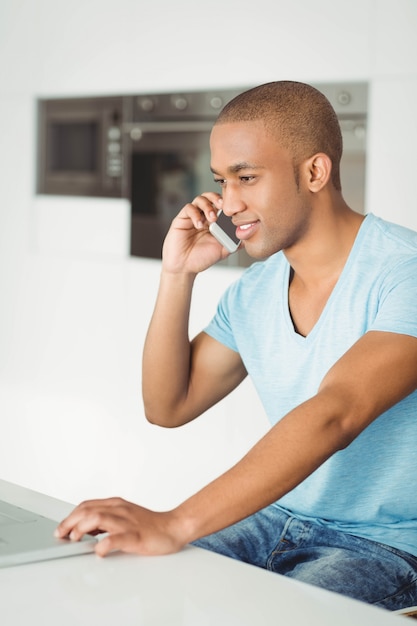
<point x="80" y="146"/>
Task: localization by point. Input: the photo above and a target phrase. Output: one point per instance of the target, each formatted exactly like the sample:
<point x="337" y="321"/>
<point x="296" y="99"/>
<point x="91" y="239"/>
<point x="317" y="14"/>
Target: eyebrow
<point x="237" y="167"/>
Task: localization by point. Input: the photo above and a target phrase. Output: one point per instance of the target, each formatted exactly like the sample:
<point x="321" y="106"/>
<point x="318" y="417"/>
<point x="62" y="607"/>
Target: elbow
<point x="164" y="418"/>
<point x="346" y="418"/>
<point x="152" y="419"/>
<point x="166" y="412"/>
<point x="345" y="436"/>
<point x="157" y="419"/>
<point x="160" y="423"/>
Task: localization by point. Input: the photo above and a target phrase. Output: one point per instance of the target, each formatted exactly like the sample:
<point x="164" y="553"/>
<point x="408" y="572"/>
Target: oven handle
<point x="136" y="129"/>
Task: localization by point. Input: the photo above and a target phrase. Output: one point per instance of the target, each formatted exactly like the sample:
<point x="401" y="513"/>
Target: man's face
<point x="269" y="207"/>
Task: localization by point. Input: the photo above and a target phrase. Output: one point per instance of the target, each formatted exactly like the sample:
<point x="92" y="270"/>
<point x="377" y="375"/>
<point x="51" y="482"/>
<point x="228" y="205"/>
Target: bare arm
<point x="376" y="373"/>
<point x="181" y="379"/>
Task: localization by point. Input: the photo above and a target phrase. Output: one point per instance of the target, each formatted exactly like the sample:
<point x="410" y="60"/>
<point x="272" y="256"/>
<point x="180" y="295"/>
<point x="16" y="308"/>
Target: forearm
<point x="166" y="355"/>
<point x="376" y="373"/>
<point x="281" y="460"/>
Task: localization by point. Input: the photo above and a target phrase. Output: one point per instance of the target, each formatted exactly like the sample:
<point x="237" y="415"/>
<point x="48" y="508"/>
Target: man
<point x="326" y="327"/>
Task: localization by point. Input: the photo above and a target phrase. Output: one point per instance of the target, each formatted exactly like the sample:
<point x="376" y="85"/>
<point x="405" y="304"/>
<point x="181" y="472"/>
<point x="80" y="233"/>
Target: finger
<point x="133" y="543"/>
<point x="114" y="501"/>
<point x="77" y="525"/>
<point x="125" y="542"/>
<point x="204" y="208"/>
<point x="214" y="198"/>
<point x="65" y="527"/>
<point x="83" y="511"/>
<point x="190" y="217"/>
<point x="105" y="521"/>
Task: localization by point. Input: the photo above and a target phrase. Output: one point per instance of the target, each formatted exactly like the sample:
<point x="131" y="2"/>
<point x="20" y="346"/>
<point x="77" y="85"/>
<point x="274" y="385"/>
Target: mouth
<point x="244" y="231"/>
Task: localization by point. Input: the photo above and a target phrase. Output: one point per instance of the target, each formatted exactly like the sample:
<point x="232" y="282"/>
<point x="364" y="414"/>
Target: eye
<point x="246" y="179"/>
<point x="220" y="181"/>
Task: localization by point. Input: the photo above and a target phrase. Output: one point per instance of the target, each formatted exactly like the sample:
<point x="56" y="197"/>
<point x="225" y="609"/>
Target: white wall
<point x="74" y="307"/>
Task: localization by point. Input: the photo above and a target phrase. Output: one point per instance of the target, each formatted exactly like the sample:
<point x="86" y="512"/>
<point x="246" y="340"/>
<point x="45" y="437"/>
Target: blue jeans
<point x="355" y="567"/>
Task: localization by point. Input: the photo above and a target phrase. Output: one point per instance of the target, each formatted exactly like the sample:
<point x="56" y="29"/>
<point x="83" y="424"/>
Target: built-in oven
<point x="168" y="139"/>
<point x="154" y="150"/>
<point x="168" y="150"/>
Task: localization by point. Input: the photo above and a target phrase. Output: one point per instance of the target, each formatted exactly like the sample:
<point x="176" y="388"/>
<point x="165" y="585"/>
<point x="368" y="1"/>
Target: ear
<point x="318" y="170"/>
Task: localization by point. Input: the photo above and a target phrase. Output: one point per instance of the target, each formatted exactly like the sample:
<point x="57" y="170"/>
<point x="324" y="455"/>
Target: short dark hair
<point x="298" y="114"/>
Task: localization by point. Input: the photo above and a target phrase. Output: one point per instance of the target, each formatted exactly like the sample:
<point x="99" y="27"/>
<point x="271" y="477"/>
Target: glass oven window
<point x="73" y="147"/>
<point x="162" y="183"/>
<point x="167" y="171"/>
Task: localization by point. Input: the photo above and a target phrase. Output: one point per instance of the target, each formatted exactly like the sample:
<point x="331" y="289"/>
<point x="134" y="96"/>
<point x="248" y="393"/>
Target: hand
<point x="131" y="528"/>
<point x="189" y="246"/>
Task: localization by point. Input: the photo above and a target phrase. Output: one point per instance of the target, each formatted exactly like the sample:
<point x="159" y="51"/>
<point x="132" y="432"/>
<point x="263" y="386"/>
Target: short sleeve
<point x="220" y="326"/>
<point x="397" y="310"/>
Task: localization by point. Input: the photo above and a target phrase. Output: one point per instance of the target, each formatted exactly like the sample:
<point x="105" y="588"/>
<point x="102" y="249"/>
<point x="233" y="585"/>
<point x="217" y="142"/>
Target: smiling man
<point x="326" y="326"/>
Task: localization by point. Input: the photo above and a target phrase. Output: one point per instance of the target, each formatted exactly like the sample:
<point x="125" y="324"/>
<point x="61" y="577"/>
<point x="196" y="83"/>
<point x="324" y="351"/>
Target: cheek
<point x="283" y="227"/>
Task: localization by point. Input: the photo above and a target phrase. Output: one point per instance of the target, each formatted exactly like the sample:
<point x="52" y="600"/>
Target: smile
<point x="244" y="231"/>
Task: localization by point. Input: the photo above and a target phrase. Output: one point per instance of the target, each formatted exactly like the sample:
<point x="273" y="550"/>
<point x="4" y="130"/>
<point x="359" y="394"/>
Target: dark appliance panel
<point x="80" y="147"/>
<point x="168" y="170"/>
<point x="154" y="150"/>
<point x="169" y="160"/>
<point x="167" y="143"/>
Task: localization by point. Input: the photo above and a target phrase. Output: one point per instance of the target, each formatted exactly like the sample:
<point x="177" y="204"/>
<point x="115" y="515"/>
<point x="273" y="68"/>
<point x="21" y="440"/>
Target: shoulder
<point x="252" y="291"/>
<point x="402" y="239"/>
<point x="384" y="250"/>
<point x="262" y="276"/>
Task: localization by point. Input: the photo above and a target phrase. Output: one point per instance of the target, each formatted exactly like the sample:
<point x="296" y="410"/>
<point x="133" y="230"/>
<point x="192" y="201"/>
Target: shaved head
<point x="299" y="116"/>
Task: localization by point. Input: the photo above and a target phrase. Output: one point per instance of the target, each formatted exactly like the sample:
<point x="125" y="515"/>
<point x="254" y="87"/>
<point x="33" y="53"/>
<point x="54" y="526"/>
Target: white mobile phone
<point x="225" y="232"/>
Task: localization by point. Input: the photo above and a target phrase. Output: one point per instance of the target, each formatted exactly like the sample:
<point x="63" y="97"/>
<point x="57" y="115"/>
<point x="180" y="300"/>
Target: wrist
<point x="181" y="527"/>
<point x="177" y="278"/>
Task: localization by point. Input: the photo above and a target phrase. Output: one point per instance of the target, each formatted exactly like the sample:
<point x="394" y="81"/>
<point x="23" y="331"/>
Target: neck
<point x="322" y="253"/>
<point x="316" y="264"/>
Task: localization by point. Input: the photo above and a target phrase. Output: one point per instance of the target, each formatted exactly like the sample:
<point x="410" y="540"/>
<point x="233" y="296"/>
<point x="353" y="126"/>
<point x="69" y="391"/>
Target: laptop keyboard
<point x="10" y="513"/>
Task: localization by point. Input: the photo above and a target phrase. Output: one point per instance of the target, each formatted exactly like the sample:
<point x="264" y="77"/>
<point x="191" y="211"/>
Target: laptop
<point x="26" y="537"/>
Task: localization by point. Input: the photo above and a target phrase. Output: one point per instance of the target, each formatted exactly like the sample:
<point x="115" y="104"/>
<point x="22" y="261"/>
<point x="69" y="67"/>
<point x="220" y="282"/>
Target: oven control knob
<point x="136" y="133"/>
<point x="216" y="103"/>
<point x="180" y="103"/>
<point x="114" y="133"/>
<point x="146" y="104"/>
<point x="359" y="131"/>
<point x="344" y="98"/>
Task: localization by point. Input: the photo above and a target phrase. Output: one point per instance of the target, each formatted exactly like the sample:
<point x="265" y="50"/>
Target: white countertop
<point x="192" y="588"/>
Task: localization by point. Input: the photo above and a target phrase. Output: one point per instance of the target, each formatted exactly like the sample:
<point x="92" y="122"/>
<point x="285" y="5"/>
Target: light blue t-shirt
<point x="368" y="489"/>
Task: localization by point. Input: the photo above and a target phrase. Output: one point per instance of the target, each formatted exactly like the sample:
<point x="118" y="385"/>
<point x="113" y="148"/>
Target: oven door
<point x="170" y="166"/>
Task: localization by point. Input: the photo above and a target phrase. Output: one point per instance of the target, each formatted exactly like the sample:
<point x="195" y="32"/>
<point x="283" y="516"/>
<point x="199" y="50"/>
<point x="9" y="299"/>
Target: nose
<point x="232" y="202"/>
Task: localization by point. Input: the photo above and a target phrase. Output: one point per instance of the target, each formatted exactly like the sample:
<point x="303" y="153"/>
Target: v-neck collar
<point x="333" y="295"/>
